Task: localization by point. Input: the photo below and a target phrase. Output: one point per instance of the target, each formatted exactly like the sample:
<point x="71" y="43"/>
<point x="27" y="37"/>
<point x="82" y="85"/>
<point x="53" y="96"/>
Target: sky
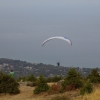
<point x="25" y="24"/>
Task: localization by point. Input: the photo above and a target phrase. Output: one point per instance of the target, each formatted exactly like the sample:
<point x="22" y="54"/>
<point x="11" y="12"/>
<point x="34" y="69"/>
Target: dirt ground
<point x="27" y="94"/>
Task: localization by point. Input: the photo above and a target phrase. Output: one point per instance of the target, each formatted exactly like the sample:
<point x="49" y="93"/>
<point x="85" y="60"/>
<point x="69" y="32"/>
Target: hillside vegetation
<point x="71" y="87"/>
<point x="27" y="94"/>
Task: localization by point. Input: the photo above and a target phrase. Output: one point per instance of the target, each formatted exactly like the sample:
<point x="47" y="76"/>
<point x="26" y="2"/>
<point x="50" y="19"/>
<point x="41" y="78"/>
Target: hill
<point x="23" y="68"/>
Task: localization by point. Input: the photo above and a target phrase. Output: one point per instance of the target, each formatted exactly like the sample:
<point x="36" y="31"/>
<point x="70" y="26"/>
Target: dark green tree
<point x="8" y="84"/>
<point x="94" y="76"/>
<point x="73" y="77"/>
<point x="42" y="86"/>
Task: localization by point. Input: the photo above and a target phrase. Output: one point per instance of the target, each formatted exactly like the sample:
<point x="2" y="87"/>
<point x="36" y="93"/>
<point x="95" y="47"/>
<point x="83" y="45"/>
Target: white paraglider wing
<point x="57" y="37"/>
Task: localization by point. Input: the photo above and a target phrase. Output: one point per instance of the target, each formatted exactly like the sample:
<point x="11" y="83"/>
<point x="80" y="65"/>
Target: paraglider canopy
<point x="57" y="37"/>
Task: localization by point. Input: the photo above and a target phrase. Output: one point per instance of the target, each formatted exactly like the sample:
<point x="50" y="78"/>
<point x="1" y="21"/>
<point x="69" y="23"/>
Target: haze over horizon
<point x="25" y="24"/>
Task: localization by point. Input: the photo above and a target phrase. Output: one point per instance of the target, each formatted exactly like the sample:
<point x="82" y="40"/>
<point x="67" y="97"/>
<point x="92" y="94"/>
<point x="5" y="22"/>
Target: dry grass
<point x="27" y="94"/>
<point x="93" y="96"/>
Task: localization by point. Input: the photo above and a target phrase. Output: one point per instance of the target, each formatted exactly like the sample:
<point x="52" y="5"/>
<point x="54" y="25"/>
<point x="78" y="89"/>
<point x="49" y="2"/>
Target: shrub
<point x="8" y="84"/>
<point x="55" y="88"/>
<point x="42" y="86"/>
<point x="54" y="79"/>
<point x="60" y="98"/>
<point x="49" y="79"/>
<point x="31" y="78"/>
<point x="70" y="87"/>
<point x="87" y="88"/>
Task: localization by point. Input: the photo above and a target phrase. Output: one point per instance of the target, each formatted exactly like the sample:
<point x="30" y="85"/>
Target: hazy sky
<point x="25" y="24"/>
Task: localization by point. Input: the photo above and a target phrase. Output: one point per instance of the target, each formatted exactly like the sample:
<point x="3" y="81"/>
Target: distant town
<point x="23" y="68"/>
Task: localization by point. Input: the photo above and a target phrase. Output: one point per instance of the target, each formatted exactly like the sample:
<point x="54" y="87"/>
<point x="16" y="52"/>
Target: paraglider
<point x="57" y="37"/>
<point x="58" y="63"/>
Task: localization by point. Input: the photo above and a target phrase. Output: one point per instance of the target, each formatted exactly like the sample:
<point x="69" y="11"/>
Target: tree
<point x="8" y="84"/>
<point x="73" y="78"/>
<point x="94" y="76"/>
<point x="42" y="86"/>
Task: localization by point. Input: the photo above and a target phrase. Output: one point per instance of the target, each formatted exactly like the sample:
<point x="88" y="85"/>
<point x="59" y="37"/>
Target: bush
<point x="42" y="86"/>
<point x="54" y="79"/>
<point x="86" y="89"/>
<point x="60" y="98"/>
<point x="70" y="87"/>
<point x="55" y="88"/>
<point x="31" y="78"/>
<point x="8" y="84"/>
